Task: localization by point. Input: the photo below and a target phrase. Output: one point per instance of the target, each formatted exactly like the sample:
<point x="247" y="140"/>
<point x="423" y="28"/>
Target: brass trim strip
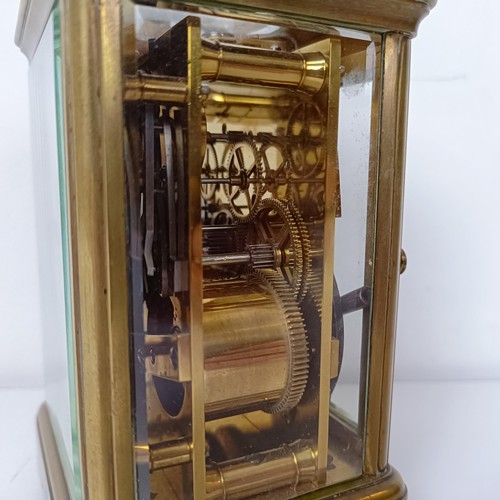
<point x="387" y="249"/>
<point x="96" y="194"/>
<point x="194" y="111"/>
<point x="58" y="489"/>
<point x="331" y="183"/>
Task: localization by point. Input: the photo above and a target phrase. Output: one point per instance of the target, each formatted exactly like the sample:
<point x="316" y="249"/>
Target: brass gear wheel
<point x="242" y="162"/>
<point x="306" y="133"/>
<point x="306" y="251"/>
<point x="210" y="169"/>
<point x="316" y="295"/>
<point x="298" y="350"/>
<point x="276" y="166"/>
<point x="279" y="223"/>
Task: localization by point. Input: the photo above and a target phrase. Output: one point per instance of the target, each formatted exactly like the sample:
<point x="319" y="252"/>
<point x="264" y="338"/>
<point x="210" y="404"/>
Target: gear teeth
<point x="306" y="252"/>
<point x="316" y="288"/>
<point x="300" y="241"/>
<point x="262" y="256"/>
<point x="298" y="237"/>
<point x="238" y="216"/>
<point x="298" y="372"/>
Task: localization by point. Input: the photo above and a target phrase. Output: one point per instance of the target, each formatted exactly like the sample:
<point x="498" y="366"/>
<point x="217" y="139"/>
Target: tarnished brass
<point x="94" y="164"/>
<point x="248" y="476"/>
<point x="394" y="109"/>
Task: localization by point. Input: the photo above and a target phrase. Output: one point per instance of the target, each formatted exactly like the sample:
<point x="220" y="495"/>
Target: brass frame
<point x="392" y="130"/>
<point x="91" y="34"/>
<point x="96" y="192"/>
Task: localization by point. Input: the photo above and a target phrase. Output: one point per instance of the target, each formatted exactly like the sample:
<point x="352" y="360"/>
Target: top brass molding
<point x="382" y="15"/>
<point x="401" y="16"/>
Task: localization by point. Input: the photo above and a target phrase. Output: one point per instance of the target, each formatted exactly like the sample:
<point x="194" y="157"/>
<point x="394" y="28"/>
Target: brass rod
<point x="228" y="258"/>
<point x="222" y="228"/>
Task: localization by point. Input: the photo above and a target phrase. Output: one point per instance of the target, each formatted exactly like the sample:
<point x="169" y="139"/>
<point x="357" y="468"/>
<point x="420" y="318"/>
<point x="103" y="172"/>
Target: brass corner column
<point x="93" y="114"/>
<point x="387" y="248"/>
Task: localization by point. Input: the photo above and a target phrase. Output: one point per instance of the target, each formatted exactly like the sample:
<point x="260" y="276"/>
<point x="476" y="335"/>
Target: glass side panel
<point x="53" y="247"/>
<point x="250" y="160"/>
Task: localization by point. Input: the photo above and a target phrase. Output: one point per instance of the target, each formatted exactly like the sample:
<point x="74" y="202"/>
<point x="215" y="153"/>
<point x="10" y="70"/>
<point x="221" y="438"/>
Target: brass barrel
<point x="246" y="361"/>
<point x="286" y="466"/>
<point x="235" y="63"/>
<point x="250" y="365"/>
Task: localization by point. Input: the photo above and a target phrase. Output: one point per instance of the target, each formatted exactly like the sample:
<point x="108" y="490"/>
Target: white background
<point x="445" y="436"/>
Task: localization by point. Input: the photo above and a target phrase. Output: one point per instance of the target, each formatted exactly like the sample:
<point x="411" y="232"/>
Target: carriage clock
<point x="219" y="197"/>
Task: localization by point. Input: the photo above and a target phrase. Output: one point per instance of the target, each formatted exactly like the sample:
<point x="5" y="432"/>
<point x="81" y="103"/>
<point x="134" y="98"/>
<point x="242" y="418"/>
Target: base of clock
<point x="386" y="486"/>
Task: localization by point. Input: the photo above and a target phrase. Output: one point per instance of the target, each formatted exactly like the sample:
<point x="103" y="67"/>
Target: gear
<point x="306" y="133"/>
<point x="262" y="256"/>
<point x="278" y="223"/>
<point x="276" y="166"/>
<point x="306" y="251"/>
<point x="298" y="350"/>
<point x="316" y="294"/>
<point x="243" y="164"/>
<point x="210" y="170"/>
<point x="309" y="197"/>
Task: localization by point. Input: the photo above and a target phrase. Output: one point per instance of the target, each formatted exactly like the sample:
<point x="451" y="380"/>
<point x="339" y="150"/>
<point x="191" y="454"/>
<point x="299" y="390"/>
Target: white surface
<point x="20" y="338"/>
<point x="444" y="441"/>
<point x="19" y="457"/>
<point x="449" y="327"/>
